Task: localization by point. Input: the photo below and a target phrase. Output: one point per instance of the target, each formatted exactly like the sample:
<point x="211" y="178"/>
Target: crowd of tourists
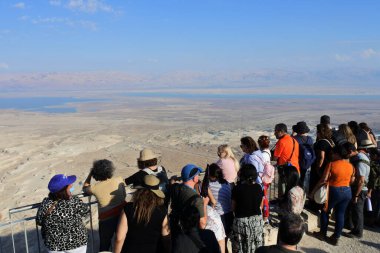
<point x="340" y="171"/>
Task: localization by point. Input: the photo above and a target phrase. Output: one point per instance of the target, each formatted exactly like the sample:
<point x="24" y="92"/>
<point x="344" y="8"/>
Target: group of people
<point x="231" y="202"/>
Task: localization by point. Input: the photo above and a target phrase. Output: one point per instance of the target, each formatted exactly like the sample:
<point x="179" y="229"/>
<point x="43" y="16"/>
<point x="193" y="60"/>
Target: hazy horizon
<point x="311" y="47"/>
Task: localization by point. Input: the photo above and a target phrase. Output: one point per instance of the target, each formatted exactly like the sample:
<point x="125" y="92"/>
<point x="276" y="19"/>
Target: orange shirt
<point x="340" y="173"/>
<point x="283" y="151"/>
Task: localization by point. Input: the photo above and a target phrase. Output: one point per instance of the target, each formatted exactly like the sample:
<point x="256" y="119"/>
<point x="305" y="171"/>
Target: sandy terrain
<point x="34" y="146"/>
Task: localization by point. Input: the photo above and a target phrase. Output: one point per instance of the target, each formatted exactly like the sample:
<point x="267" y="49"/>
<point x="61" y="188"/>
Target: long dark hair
<point x="216" y="171"/>
<point x="205" y="183"/>
<point x="144" y="202"/>
<point x="292" y="178"/>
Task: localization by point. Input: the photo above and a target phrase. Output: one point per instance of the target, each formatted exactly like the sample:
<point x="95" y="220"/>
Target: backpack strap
<point x="294" y="144"/>
<point x="264" y="151"/>
<point x="331" y="145"/>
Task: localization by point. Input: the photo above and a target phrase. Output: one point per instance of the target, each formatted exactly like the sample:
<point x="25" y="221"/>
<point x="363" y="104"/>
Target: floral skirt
<point x="247" y="234"/>
<point x="214" y="223"/>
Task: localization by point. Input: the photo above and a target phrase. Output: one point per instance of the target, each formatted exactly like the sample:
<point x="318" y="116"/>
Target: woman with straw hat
<point x="144" y="222"/>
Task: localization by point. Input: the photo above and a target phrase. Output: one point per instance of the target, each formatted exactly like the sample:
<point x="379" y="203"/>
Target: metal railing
<point x="23" y="222"/>
<point x="273" y="193"/>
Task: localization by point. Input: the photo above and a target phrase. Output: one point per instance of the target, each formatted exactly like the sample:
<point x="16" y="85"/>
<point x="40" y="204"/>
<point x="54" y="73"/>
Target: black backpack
<point x="306" y="152"/>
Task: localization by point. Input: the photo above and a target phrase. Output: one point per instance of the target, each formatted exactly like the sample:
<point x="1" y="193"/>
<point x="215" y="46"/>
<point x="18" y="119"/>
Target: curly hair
<point x="102" y="170"/>
<point x="144" y="202"/>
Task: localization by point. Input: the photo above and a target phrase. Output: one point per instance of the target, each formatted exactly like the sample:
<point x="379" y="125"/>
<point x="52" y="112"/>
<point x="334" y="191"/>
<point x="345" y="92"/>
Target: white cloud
<point x="55" y="2"/>
<point x="90" y="6"/>
<point x="19" y="5"/>
<point x="89" y="25"/>
<point x="342" y="58"/>
<point x="23" y="18"/>
<point x="368" y="53"/>
<point x="3" y="65"/>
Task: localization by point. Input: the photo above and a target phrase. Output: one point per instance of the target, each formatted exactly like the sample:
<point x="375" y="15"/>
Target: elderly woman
<point x="144" y="222"/>
<point x="110" y="193"/>
<point x="60" y="216"/>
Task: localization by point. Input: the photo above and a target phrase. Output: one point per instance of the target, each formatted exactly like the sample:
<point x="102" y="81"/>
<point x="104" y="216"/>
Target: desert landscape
<point x="35" y="145"/>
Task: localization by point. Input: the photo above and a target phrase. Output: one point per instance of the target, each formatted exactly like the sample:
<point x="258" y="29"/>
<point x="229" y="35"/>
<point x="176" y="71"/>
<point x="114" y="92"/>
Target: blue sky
<point x="158" y="37"/>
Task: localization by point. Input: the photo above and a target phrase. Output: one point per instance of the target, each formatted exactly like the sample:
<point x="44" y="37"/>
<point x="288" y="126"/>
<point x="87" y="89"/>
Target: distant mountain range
<point x="338" y="81"/>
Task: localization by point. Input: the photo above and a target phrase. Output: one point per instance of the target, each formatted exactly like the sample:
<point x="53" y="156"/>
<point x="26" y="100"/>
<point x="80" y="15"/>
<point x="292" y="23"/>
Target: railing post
<point x="26" y="238"/>
<point x="13" y="238"/>
<point x="38" y="238"/>
<point x="92" y="228"/>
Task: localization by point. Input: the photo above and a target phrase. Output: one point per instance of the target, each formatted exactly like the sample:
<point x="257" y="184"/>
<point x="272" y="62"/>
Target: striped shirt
<point x="222" y="194"/>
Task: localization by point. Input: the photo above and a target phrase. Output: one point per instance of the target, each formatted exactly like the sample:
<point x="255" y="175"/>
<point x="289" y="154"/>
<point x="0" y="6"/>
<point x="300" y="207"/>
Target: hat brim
<point x="159" y="193"/>
<point x="71" y="179"/>
<point x="368" y="146"/>
<point x="200" y="171"/>
<point x="147" y="159"/>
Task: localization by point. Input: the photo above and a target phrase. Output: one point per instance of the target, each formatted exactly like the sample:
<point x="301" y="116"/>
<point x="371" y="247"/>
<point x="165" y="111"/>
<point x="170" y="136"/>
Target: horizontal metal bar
<point x="36" y="205"/>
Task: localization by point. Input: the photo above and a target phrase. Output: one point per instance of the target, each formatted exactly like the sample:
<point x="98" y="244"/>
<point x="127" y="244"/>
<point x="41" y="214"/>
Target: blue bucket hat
<point x="60" y="181"/>
<point x="190" y="171"/>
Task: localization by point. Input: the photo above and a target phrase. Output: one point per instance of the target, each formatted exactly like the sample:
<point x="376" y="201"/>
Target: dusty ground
<point x="35" y="146"/>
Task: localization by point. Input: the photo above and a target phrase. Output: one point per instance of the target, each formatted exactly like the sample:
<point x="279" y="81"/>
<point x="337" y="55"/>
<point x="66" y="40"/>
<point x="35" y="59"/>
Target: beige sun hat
<point x="152" y="183"/>
<point x="146" y="154"/>
<point x="366" y="143"/>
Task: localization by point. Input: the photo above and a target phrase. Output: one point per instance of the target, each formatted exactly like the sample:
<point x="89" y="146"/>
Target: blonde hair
<point x="230" y="154"/>
<point x="347" y="132"/>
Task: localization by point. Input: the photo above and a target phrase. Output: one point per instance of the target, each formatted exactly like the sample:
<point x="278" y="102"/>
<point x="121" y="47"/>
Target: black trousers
<point x="355" y="214"/>
<point x="107" y="228"/>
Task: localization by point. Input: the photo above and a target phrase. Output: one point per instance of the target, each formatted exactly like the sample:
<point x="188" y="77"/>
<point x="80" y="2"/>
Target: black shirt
<point x="274" y="249"/>
<point x="143" y="237"/>
<point x="322" y="145"/>
<point x="136" y="179"/>
<point x="248" y="198"/>
<point x="180" y="194"/>
<point x="196" y="241"/>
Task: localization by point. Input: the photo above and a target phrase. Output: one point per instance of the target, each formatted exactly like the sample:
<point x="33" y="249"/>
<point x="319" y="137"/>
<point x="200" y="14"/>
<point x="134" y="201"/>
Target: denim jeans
<point x="339" y="197"/>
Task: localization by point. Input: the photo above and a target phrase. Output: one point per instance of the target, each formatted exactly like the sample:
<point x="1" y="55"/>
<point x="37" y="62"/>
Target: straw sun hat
<point x="146" y="154"/>
<point x="152" y="183"/>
